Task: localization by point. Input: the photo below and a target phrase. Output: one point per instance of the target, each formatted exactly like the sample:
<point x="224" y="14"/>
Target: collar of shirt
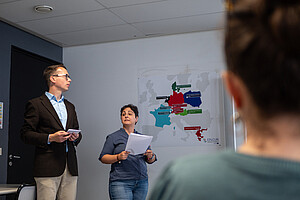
<point x="52" y="97"/>
<point x="59" y="107"/>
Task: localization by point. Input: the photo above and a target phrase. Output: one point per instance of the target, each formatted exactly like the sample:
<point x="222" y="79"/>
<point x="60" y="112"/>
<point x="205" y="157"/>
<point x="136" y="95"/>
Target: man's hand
<point x="73" y="136"/>
<point x="59" y="136"/>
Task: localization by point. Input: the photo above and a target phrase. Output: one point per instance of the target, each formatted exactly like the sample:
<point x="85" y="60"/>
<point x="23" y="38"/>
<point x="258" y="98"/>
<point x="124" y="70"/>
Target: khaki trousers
<point x="63" y="187"/>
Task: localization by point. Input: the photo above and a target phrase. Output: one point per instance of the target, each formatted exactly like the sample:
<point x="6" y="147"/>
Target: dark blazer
<point x="40" y="120"/>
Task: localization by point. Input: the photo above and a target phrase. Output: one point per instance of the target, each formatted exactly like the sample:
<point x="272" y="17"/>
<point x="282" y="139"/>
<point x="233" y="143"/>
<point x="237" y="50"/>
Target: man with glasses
<point x="46" y="121"/>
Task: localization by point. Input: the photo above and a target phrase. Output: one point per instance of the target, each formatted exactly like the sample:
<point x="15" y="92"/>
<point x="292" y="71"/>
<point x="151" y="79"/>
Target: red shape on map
<point x="199" y="131"/>
<point x="179" y="105"/>
<point x="192" y="128"/>
<point x="177" y="108"/>
<point x="176" y="98"/>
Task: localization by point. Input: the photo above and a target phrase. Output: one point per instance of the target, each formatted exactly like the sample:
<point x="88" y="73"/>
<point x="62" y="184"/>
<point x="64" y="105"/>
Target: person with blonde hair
<point x="46" y="121"/>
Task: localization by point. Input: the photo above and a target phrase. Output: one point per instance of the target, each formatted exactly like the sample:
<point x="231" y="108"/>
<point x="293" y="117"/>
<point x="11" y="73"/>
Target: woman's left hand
<point x="149" y="154"/>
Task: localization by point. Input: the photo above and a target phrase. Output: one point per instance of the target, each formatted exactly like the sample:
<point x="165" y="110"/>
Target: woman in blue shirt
<point x="128" y="178"/>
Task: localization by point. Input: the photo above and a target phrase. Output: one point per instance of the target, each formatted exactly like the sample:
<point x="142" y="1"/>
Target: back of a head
<point x="262" y="47"/>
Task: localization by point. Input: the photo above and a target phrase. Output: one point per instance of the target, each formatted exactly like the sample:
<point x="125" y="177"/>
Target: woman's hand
<point x="110" y="159"/>
<point x="150" y="155"/>
<point x="123" y="155"/>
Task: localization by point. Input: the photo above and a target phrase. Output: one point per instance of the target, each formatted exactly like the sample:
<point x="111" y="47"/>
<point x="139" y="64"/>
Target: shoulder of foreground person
<point x="227" y="175"/>
<point x="183" y="177"/>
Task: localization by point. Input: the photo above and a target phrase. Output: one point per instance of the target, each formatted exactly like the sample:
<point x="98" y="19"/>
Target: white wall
<point x="104" y="78"/>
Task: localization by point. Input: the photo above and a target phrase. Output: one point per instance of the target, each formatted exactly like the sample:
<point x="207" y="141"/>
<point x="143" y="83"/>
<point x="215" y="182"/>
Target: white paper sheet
<point x="138" y="144"/>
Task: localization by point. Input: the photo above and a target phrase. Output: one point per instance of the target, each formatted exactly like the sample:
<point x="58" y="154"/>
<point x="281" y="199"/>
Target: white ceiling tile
<point x="18" y="11"/>
<point x="167" y="9"/>
<point x="76" y="22"/>
<point x="118" y="3"/>
<point x="6" y="1"/>
<point x="108" y="34"/>
<point x="182" y="25"/>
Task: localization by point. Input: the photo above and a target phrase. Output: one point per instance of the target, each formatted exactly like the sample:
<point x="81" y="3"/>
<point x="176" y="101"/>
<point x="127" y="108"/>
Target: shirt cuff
<point x="48" y="139"/>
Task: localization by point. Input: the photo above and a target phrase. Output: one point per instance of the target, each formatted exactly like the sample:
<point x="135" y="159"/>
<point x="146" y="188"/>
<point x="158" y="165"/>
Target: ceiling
<point x="81" y="22"/>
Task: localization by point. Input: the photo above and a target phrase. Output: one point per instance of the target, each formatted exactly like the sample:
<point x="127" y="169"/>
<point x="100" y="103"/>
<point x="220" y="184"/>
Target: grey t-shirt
<point x="229" y="175"/>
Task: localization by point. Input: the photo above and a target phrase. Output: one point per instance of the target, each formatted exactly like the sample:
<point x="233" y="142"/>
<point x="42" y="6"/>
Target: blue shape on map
<point x="162" y="116"/>
<point x="192" y="98"/>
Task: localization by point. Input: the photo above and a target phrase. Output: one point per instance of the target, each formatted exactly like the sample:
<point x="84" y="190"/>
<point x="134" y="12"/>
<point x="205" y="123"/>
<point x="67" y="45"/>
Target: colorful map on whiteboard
<point x="184" y="109"/>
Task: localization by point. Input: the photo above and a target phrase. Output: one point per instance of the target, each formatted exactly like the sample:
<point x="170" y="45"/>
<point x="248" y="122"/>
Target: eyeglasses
<point x="65" y="75"/>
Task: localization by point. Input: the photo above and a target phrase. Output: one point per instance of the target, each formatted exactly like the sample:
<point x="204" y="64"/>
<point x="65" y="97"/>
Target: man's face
<point x="61" y="79"/>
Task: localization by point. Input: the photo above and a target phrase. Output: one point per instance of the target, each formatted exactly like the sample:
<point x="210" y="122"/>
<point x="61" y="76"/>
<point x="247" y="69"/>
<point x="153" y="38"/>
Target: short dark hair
<point x="50" y="70"/>
<point x="132" y="107"/>
<point x="262" y="47"/>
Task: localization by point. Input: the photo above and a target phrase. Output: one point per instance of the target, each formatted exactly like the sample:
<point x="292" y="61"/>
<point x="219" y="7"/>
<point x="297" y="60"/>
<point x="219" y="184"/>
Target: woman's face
<point x="128" y="117"/>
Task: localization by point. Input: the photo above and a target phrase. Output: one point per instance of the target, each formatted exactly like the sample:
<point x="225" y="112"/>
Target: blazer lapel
<point x="45" y="101"/>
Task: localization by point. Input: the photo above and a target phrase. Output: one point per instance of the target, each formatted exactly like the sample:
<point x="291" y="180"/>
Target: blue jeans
<point x="128" y="189"/>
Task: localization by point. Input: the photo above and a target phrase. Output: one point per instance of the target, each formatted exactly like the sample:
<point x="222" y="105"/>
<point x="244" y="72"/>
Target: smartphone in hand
<point x="74" y="131"/>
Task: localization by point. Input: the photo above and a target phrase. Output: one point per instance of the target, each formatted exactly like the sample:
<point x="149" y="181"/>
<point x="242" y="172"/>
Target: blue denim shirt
<point x="133" y="168"/>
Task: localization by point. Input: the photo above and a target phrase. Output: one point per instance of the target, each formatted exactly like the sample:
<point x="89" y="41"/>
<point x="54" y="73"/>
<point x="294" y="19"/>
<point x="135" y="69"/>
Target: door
<point x="26" y="82"/>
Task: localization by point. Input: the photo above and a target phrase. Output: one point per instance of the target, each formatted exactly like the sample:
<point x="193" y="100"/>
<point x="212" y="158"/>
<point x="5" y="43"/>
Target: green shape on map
<point x="195" y="111"/>
<point x="187" y="112"/>
<point x="176" y="87"/>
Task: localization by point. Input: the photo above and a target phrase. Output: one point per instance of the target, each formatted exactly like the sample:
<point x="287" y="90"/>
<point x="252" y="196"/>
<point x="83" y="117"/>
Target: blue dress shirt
<point x="61" y="110"/>
<point x="59" y="107"/>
